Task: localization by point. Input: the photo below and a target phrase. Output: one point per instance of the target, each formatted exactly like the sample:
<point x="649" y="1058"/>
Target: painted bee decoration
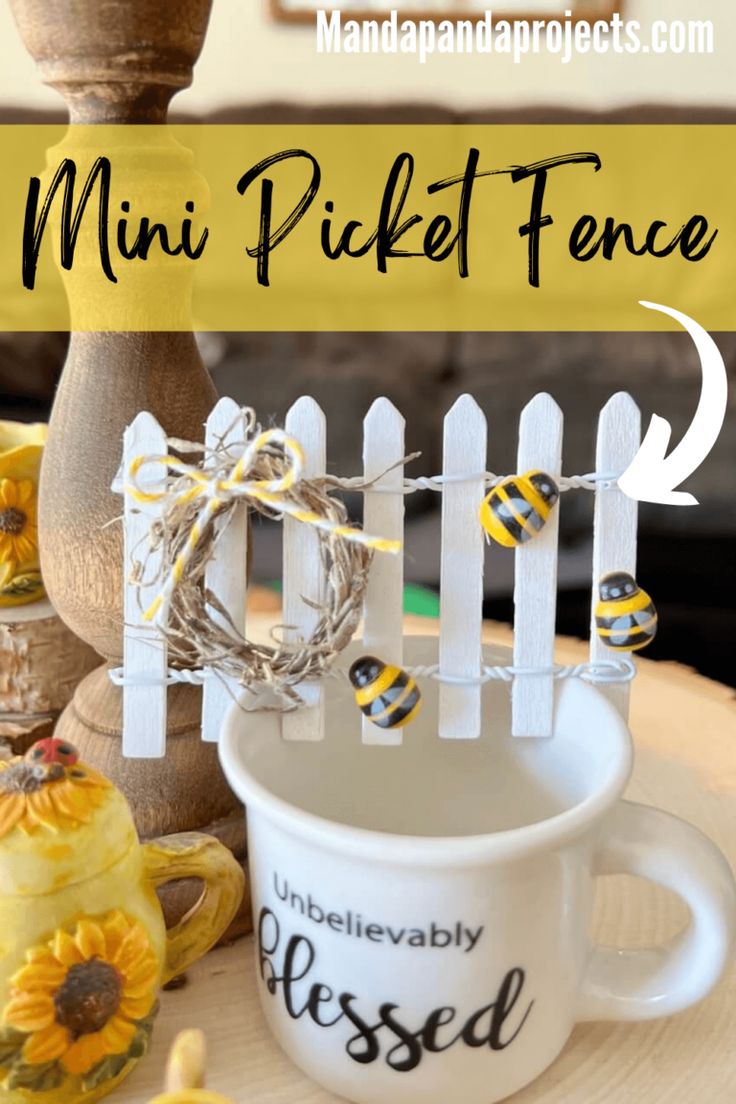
<point x="517" y="508"/>
<point x="388" y="696"/>
<point x="625" y="616"/>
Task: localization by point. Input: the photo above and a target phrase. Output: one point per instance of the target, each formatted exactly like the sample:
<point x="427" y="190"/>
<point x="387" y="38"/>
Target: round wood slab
<point x="685" y="732"/>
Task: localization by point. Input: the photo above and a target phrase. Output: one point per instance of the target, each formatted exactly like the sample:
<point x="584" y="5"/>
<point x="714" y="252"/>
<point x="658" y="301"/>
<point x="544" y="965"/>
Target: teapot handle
<point x="195" y="855"/>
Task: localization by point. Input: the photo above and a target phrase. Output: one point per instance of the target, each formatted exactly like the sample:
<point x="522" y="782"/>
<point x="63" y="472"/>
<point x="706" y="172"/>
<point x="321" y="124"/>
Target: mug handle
<point x="195" y="855"/>
<point x="657" y="981"/>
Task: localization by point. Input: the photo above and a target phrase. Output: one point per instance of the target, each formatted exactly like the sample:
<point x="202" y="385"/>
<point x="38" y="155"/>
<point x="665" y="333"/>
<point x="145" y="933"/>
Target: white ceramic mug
<point x="422" y="912"/>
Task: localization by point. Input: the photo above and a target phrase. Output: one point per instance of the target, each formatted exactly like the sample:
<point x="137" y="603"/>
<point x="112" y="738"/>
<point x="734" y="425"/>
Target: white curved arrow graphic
<point x="652" y="476"/>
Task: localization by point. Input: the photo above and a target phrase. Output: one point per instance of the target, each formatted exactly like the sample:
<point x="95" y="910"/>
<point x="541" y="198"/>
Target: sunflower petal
<point x="41" y="955"/>
<point x="89" y="777"/>
<point x="140" y="979"/>
<point x="25" y="492"/>
<point x="85" y="1053"/>
<point x="141" y="992"/>
<point x="115" y="927"/>
<point x="66" y="950"/>
<point x="90" y="940"/>
<point x="41" y="808"/>
<point x="26" y="548"/>
<point x="12" y="808"/>
<point x="9" y="492"/>
<point x="39" y="977"/>
<point x="136" y="1008"/>
<point x="29" y="824"/>
<point x="7" y="554"/>
<point x="29" y="1012"/>
<point x="118" y="1035"/>
<point x="66" y="806"/>
<point x="132" y="950"/>
<point x="46" y="1045"/>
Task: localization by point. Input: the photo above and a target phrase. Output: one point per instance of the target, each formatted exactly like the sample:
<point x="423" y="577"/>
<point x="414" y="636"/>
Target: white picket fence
<point x="465" y="463"/>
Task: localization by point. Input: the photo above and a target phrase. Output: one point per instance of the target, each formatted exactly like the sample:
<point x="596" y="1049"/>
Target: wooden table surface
<point x="685" y="732"/>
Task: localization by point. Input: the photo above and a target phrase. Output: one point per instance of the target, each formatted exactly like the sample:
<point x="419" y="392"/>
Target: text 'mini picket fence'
<point x="463" y="486"/>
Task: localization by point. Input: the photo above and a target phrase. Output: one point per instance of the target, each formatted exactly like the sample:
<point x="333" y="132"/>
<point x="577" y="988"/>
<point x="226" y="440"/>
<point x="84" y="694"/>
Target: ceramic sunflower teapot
<point x="83" y="945"/>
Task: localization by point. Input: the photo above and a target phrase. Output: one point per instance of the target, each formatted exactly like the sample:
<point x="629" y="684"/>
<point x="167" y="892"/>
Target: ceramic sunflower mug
<point x="83" y="945"/>
<point x="423" y="912"/>
<point x="21" y="449"/>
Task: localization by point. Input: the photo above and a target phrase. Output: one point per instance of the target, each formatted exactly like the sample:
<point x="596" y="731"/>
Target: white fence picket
<point x="144" y="648"/>
<point x="614" y="531"/>
<point x="535" y="588"/>
<point x="383" y="626"/>
<point x="303" y="573"/>
<point x="461" y="573"/>
<point x="226" y="572"/>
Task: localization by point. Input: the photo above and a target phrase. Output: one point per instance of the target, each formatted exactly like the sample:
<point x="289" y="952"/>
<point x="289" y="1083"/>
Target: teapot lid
<point x="61" y="821"/>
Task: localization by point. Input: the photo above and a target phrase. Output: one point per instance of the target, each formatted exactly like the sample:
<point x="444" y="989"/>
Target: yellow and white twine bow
<point x="217" y="492"/>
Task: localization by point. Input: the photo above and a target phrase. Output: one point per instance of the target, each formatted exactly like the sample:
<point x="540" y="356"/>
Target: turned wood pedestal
<point x="121" y="62"/>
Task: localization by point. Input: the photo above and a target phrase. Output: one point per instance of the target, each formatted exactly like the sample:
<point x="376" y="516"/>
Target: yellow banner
<point x="365" y="227"/>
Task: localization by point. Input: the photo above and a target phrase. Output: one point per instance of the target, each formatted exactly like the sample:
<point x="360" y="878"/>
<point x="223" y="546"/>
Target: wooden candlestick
<point x="121" y="62"/>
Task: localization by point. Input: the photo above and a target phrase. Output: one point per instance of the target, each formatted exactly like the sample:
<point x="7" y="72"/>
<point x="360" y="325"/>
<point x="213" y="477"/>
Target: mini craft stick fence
<point x="463" y="485"/>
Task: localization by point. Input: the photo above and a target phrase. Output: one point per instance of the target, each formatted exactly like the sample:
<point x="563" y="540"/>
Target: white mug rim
<point x="431" y="851"/>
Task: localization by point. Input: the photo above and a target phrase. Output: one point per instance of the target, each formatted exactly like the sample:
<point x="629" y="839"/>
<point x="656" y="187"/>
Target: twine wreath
<point x="195" y="507"/>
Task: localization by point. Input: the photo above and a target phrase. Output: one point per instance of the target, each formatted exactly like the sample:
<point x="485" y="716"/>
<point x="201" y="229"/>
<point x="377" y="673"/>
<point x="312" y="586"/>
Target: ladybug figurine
<point x="49" y="751"/>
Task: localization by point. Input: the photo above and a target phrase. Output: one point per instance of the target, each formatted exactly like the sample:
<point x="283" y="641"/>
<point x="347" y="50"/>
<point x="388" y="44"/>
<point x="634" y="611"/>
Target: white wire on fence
<point x="607" y="672"/>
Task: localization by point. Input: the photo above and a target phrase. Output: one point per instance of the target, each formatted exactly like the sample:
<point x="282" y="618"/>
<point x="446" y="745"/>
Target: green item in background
<point x="419" y="600"/>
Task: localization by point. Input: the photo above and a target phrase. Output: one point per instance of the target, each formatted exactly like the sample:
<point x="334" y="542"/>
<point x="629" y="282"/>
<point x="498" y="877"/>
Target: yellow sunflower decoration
<point x="18" y="522"/>
<point x="48" y="789"/>
<point x="81" y="1007"/>
<point x="21" y="448"/>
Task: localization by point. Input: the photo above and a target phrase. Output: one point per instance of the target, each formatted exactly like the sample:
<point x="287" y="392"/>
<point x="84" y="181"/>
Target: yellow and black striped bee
<point x="625" y="617"/>
<point x="516" y="508"/>
<point x="388" y="696"/>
